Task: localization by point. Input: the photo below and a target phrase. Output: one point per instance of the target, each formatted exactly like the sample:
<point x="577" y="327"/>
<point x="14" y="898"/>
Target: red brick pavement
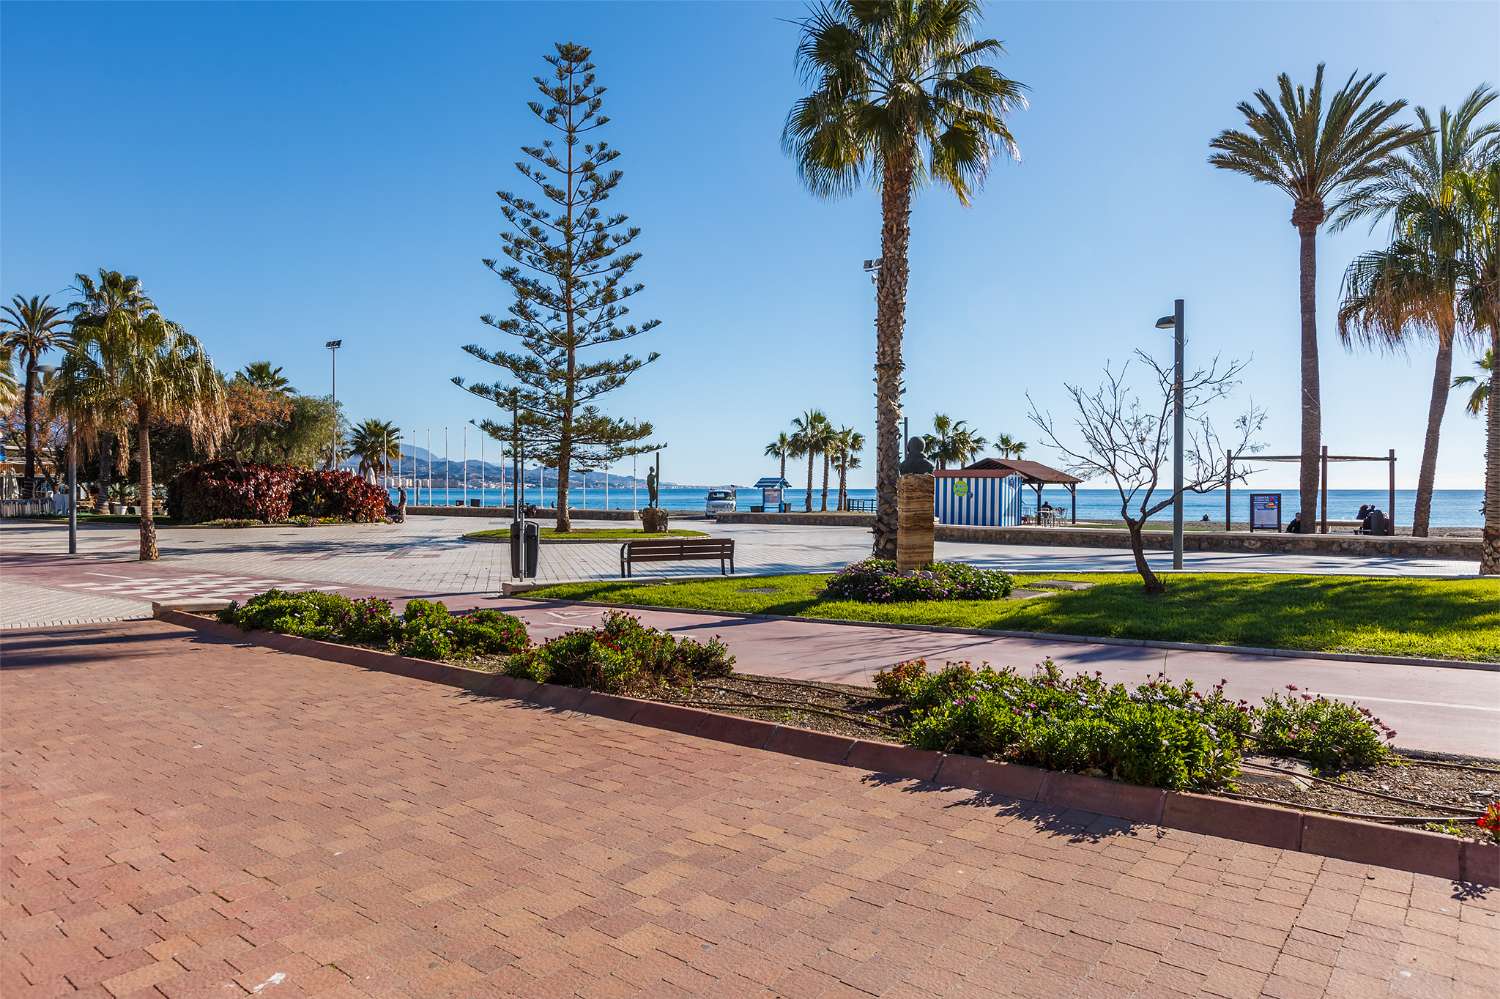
<point x="184" y="817"/>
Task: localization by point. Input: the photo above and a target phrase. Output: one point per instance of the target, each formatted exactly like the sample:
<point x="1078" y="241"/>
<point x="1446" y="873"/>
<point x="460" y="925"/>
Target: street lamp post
<point x="50" y="370"/>
<point x="333" y="359"/>
<point x="1174" y="323"/>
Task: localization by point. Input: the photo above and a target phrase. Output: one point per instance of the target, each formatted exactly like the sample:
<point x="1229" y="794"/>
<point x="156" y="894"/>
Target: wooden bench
<point x="677" y="550"/>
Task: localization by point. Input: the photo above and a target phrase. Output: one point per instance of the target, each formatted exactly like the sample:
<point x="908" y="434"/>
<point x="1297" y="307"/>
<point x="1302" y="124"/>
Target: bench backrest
<point x="666" y="549"/>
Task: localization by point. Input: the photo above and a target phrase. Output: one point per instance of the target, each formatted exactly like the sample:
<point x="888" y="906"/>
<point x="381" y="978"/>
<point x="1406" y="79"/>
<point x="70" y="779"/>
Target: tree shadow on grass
<point x="1072" y="824"/>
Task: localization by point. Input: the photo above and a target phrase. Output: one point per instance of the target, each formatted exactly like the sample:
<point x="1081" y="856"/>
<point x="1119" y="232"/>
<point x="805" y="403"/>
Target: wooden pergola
<point x="1324" y="458"/>
<point x="1036" y="475"/>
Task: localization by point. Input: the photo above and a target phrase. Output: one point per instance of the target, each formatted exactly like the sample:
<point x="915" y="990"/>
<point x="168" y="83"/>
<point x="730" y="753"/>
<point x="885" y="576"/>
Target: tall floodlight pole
<point x="1175" y="324"/>
<point x="429" y="467"/>
<point x="466" y="464"/>
<point x="333" y="360"/>
<point x="446" y="462"/>
<point x="481" y="469"/>
<point x="49" y="371"/>
<point x="633" y="505"/>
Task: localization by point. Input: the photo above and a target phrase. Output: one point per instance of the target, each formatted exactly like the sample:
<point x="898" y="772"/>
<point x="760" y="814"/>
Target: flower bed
<point x="877" y="581"/>
<point x="244" y="492"/>
<point x="620" y="656"/>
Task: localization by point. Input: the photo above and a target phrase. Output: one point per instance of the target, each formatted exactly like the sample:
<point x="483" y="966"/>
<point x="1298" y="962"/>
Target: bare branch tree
<point x="1126" y="437"/>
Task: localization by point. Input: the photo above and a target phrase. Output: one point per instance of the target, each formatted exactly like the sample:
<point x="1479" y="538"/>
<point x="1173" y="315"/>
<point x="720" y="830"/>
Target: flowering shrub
<point x="1490" y="821"/>
<point x="1329" y="734"/>
<point x="227" y="490"/>
<point x="1160" y="734"/>
<point x="425" y="629"/>
<point x="338" y="494"/>
<point x="622" y="655"/>
<point x="876" y="581"/>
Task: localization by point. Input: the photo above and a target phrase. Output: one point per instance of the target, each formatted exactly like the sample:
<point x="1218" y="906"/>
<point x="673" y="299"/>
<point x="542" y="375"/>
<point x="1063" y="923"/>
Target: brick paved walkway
<point x="184" y="817"/>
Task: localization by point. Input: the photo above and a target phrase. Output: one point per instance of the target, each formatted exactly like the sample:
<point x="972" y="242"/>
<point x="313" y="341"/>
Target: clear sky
<point x="283" y="174"/>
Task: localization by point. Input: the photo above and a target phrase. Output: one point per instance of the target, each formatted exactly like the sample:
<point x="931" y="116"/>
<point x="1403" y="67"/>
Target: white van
<point x="719" y="501"/>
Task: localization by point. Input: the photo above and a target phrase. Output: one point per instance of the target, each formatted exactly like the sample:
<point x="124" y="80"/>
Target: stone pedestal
<point x="914" y="499"/>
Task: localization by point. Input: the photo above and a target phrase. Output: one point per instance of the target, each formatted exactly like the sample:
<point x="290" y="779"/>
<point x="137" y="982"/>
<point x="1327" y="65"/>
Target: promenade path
<point x="1437" y="710"/>
<point x="187" y="817"/>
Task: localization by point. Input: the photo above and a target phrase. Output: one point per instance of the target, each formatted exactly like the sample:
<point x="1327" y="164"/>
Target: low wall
<point x="826" y="519"/>
<point x="505" y="513"/>
<point x="1262" y="542"/>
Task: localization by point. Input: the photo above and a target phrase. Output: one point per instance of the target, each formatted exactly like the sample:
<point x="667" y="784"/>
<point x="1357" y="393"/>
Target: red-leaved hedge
<point x="339" y="495"/>
<point x="229" y="490"/>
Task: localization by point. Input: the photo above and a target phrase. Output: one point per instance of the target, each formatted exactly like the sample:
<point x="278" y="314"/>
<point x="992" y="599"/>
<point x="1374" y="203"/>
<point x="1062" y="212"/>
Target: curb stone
<point x="1371" y="843"/>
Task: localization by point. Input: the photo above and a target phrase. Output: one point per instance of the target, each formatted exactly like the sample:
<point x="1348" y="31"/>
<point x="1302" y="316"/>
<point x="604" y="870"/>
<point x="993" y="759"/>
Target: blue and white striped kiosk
<point x="976" y="497"/>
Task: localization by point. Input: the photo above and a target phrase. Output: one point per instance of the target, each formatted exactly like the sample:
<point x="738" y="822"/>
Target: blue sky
<point x="279" y="175"/>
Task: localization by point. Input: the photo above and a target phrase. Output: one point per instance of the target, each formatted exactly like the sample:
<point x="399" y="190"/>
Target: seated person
<point x="1295" y="527"/>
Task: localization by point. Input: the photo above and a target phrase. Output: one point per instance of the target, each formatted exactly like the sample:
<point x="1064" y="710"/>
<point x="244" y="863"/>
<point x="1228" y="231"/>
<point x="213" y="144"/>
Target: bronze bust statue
<point x="916" y="462"/>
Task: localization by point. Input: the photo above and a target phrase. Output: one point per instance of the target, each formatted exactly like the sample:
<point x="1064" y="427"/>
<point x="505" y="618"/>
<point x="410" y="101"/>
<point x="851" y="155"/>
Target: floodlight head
<point x="1166" y="323"/>
<point x="872" y="265"/>
<point x="334" y="344"/>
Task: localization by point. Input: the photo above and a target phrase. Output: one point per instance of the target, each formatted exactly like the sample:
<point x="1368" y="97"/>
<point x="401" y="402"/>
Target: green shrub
<point x="491" y="633"/>
<point x="877" y="581"/>
<point x="577" y="659"/>
<point x="1159" y="734"/>
<point x="1329" y="734"/>
<point x="307" y="614"/>
<point x="704" y="660"/>
<point x="622" y="656"/>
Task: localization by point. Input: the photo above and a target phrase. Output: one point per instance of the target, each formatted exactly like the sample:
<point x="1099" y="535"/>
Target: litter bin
<point x="525" y="542"/>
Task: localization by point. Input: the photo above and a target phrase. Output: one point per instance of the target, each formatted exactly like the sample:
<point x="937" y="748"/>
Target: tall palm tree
<point x="1477" y="201"/>
<point x="29" y="328"/>
<point x="808" y="436"/>
<point x="8" y="388"/>
<point x="952" y="441"/>
<point x="1008" y="446"/>
<point x="845" y="448"/>
<point x="140" y="368"/>
<point x="902" y="93"/>
<point x="112" y="294"/>
<point x="263" y="376"/>
<point x="1411" y="287"/>
<point x="376" y="443"/>
<point x="780" y="448"/>
<point x="1315" y="155"/>
<point x="1479" y="397"/>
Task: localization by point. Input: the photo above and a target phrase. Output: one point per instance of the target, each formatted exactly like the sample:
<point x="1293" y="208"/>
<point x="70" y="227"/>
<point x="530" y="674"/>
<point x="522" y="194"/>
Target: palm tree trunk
<point x="101" y="502"/>
<point x="28" y="485"/>
<point x="1489" y="545"/>
<point x="1312" y="404"/>
<point x="783" y="477"/>
<point x="149" y="552"/>
<point x="1442" y="382"/>
<point x="890" y="327"/>
<point x="824" y="504"/>
<point x="843" y="487"/>
<point x="807" y="500"/>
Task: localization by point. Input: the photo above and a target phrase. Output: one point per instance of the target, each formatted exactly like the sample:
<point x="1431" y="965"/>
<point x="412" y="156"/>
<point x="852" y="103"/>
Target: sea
<point x="1450" y="507"/>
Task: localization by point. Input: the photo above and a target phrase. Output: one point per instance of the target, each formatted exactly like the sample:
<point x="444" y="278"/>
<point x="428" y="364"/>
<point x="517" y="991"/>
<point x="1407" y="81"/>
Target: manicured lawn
<point x="588" y="534"/>
<point x="1450" y="619"/>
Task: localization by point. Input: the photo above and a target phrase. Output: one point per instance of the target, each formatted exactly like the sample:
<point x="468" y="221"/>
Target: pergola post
<point x="1323" y="491"/>
<point x="1073" y="492"/>
<point x="1228" y="485"/>
<point x="1392" y="493"/>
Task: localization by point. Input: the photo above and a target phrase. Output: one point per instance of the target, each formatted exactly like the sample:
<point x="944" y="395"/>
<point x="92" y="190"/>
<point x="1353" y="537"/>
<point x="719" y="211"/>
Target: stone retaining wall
<point x="1261" y="542"/>
<point x="504" y="512"/>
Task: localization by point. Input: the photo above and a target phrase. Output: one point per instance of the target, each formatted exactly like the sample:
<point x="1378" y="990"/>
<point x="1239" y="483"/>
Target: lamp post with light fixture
<point x="1174" y="323"/>
<point x="333" y="356"/>
<point x="50" y="370"/>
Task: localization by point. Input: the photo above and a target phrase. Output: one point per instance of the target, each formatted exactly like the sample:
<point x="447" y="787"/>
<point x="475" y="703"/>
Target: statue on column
<point x="915" y="491"/>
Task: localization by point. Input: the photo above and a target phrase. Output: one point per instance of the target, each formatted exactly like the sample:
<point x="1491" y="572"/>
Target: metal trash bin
<point x="525" y="542"/>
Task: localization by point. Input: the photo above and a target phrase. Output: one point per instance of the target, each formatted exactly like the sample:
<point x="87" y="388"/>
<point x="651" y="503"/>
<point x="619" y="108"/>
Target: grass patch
<point x="588" y="534"/>
<point x="1443" y="618"/>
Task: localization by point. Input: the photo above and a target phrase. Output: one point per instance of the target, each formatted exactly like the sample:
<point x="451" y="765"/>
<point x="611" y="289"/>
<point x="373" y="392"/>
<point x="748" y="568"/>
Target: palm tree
<point x="951" y="441"/>
<point x="1480" y="396"/>
<point x="1313" y="156"/>
<point x="136" y="368"/>
<point x="1411" y="287"/>
<point x="780" y="448"/>
<point x="376" y="443"/>
<point x="901" y="94"/>
<point x="1009" y="447"/>
<point x="264" y="377"/>
<point x="99" y="300"/>
<point x="8" y="388"/>
<point x="1477" y="201"/>
<point x="30" y="327"/>
<point x="846" y="445"/>
<point x="808" y="437"/>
